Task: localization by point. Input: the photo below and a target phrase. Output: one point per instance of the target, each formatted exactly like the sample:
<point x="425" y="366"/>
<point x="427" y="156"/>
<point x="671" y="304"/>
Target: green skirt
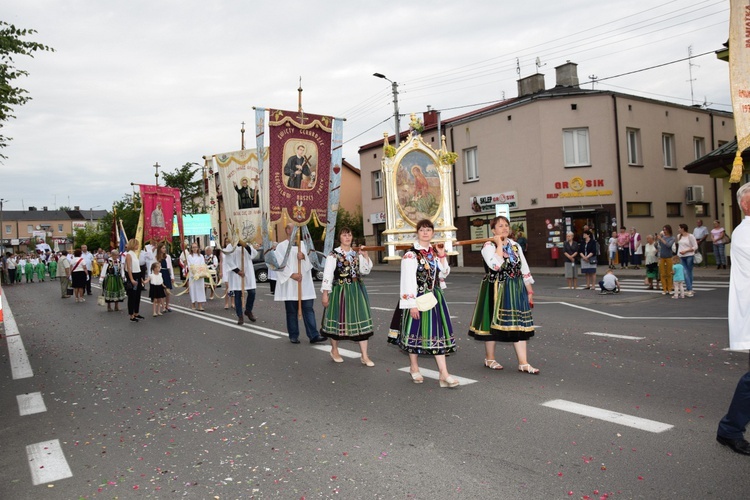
<point x="113" y="288"/>
<point x="431" y="334"/>
<point x="348" y="315"/>
<point x="502" y="312"/>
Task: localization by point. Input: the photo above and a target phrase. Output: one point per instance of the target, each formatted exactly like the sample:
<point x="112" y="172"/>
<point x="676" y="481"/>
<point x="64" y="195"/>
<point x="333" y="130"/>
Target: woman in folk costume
<point x="503" y="309"/>
<point x="419" y="328"/>
<point x="347" y="315"/>
<point x="113" y="285"/>
<point x="197" y="271"/>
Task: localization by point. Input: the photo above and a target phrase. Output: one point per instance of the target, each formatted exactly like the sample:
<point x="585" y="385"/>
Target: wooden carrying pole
<point x="299" y="271"/>
<point x="382" y="248"/>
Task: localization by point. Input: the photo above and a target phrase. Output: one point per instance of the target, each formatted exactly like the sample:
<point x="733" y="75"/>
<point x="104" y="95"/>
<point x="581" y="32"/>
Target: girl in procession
<point x="347" y="313"/>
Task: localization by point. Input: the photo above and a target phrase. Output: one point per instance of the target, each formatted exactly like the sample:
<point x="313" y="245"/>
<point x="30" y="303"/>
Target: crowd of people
<point x="659" y="253"/>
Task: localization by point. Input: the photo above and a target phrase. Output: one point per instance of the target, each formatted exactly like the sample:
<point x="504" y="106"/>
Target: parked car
<point x="261" y="269"/>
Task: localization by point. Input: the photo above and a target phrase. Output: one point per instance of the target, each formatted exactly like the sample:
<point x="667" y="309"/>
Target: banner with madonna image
<point x="159" y="206"/>
<point x="243" y="189"/>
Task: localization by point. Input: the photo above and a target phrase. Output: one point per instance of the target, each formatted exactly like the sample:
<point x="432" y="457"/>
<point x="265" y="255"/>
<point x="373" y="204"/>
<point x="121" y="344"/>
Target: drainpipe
<point x="716" y="187"/>
<point x="619" y="161"/>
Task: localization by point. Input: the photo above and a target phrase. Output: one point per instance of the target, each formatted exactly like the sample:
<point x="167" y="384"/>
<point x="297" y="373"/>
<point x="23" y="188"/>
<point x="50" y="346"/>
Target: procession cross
<point x="156" y="166"/>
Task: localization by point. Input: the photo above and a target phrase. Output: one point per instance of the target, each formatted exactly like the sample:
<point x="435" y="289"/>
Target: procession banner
<point x="299" y="165"/>
<point x="159" y="205"/>
<point x="739" y="77"/>
<point x="212" y="204"/>
<point x="244" y="192"/>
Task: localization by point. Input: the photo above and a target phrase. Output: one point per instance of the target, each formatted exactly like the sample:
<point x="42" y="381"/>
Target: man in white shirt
<point x="88" y="259"/>
<point x="732" y="426"/>
<point x="242" y="277"/>
<point x="296" y="271"/>
<point x="701" y="236"/>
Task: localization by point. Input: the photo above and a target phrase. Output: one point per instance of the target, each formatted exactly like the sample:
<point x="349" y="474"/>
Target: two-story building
<point x="21" y="228"/>
<point x="566" y="157"/>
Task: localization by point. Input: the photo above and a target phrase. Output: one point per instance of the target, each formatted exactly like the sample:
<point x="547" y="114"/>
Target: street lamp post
<point x="394" y="87"/>
<point x="91" y="214"/>
<point x="2" y="226"/>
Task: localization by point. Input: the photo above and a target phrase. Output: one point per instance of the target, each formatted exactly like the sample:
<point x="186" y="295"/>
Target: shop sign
<point x="578" y="187"/>
<point x="487" y="202"/>
<point x="377" y="218"/>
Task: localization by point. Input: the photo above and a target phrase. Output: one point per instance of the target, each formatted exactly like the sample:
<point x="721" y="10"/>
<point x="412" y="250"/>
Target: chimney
<point x="44" y="208"/>
<point x="430" y="117"/>
<point x="32" y="209"/>
<point x="567" y="75"/>
<point x="530" y="85"/>
<point x="76" y="207"/>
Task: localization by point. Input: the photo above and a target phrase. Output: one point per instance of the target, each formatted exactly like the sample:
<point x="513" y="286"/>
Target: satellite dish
<point x="38" y="227"/>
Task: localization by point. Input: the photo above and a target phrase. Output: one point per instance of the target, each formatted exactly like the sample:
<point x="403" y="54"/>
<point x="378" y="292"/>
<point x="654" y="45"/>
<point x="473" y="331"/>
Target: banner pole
<point x="299" y="271"/>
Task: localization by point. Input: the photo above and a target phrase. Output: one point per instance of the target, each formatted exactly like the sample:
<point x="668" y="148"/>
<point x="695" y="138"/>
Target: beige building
<point x="21" y="228"/>
<point x="566" y="157"/>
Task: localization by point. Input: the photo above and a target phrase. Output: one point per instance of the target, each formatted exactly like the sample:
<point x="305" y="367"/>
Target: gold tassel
<point x="737" y="167"/>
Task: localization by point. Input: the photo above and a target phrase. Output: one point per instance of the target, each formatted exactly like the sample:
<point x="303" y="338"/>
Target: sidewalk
<point x="702" y="273"/>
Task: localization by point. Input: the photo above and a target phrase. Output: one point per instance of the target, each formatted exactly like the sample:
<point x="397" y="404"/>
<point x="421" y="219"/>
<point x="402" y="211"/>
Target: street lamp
<point x="203" y="182"/>
<point x="91" y="214"/>
<point x="394" y="86"/>
<point x="2" y="226"/>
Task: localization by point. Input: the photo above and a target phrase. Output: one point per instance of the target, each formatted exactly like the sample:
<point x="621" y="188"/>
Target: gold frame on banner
<point x="418" y="185"/>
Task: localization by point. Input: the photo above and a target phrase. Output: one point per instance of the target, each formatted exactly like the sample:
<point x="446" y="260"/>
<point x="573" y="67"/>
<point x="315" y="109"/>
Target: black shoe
<point x="139" y="316"/>
<point x="318" y="339"/>
<point x="737" y="445"/>
<point x="251" y="317"/>
<point x="241" y="321"/>
<point x="135" y="320"/>
<point x="294" y="341"/>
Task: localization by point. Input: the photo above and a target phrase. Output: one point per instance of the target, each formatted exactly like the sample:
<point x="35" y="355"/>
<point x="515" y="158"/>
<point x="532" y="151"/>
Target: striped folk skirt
<point x="348" y="315"/>
<point x="431" y="334"/>
<point x="113" y="288"/>
<point x="502" y="312"/>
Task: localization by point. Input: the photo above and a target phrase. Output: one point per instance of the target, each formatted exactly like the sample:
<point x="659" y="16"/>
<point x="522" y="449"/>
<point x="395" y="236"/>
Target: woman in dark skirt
<point x="113" y="287"/>
<point x="503" y="309"/>
<point x="167" y="271"/>
<point x="423" y="269"/>
<point x="347" y="315"/>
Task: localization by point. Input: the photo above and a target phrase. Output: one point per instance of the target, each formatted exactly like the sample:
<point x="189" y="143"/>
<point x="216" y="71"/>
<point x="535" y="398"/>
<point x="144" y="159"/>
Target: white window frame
<point x="377" y="184"/>
<point x="471" y="165"/>
<point x="576" y="152"/>
<point x="699" y="147"/>
<point x="634" y="146"/>
<point x="8" y="228"/>
<point x="29" y="229"/>
<point x="668" y="151"/>
<point x="59" y="228"/>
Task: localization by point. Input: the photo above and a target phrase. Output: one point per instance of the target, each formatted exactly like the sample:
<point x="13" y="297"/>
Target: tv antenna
<point x="593" y="79"/>
<point x="539" y="64"/>
<point x="518" y="67"/>
<point x="690" y="71"/>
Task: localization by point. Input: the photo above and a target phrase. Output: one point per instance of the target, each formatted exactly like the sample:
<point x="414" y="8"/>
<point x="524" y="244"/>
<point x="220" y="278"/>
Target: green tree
<point x="191" y="190"/>
<point x="12" y="44"/>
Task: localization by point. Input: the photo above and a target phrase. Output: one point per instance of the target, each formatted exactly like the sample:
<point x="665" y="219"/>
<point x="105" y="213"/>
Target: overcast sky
<point x="137" y="82"/>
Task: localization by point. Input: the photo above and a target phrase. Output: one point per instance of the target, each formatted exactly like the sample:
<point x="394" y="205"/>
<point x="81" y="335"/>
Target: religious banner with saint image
<point x="244" y="192"/>
<point x="299" y="166"/>
<point x="159" y="206"/>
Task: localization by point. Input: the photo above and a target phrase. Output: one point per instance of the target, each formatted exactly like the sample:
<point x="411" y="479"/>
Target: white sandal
<point x="417" y="378"/>
<point x="492" y="364"/>
<point x="527" y="368"/>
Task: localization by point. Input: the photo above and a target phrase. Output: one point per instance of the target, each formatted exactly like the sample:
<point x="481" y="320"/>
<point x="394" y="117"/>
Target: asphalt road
<point x="190" y="405"/>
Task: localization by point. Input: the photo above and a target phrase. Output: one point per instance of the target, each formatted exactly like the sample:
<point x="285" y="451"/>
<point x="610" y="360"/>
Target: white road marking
<point x="381" y="308"/>
<point x="433" y="374"/>
<point x="574" y="306"/>
<point x="608" y="416"/>
<point x="230" y="322"/>
<point x="345" y="353"/>
<point x="19" y="360"/>
<point x="626" y="337"/>
<point x="29" y="404"/>
<point x="735" y="350"/>
<point x="47" y="462"/>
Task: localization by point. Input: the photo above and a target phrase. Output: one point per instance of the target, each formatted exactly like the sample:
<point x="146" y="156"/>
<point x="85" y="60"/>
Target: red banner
<point x="160" y="205"/>
<point x="299" y="165"/>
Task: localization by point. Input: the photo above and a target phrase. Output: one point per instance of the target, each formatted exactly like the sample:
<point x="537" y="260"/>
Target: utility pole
<point x="394" y="88"/>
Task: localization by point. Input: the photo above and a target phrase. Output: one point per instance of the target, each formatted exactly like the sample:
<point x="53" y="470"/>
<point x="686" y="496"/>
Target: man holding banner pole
<point x="242" y="279"/>
<point x="294" y="287"/>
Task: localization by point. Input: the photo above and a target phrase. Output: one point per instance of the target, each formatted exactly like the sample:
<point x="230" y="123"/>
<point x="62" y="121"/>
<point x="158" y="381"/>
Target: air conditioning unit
<point x="693" y="195"/>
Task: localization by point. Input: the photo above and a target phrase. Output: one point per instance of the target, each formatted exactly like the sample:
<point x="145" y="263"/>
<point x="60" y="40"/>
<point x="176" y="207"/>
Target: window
<point x="634" y="146"/>
<point x="29" y="229"/>
<point x="701" y="210"/>
<point x="471" y="165"/>
<point x="59" y="228"/>
<point x="7" y="228"/>
<point x="576" y="147"/>
<point x="674" y="209"/>
<point x="377" y="184"/>
<point x="639" y="209"/>
<point x="667" y="148"/>
<point x="699" y="146"/>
